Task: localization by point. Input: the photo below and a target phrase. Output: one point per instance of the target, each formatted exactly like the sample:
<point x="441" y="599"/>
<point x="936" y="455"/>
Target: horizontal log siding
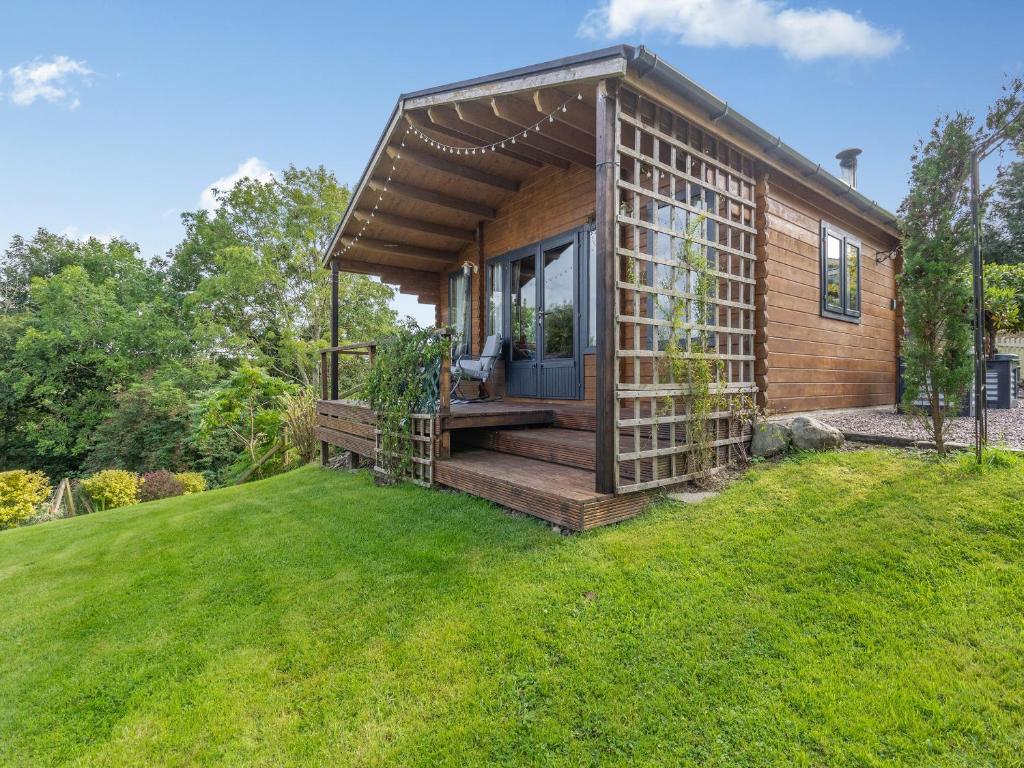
<point x="813" y="362"/>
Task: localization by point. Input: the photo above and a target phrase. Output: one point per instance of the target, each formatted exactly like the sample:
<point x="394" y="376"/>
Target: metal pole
<point x="980" y="393"/>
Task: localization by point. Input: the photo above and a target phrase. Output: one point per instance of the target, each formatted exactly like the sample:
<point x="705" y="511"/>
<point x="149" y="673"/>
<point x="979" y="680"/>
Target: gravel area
<point x="1005" y="427"/>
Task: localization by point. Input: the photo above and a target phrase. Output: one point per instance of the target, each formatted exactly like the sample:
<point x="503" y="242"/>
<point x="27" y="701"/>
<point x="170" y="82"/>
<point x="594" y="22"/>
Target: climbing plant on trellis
<point x="684" y="304"/>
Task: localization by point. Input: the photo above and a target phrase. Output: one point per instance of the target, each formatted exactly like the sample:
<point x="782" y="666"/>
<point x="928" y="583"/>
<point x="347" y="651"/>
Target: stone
<point x="812" y="435"/>
<point x="693" y="497"/>
<point x="770" y="439"/>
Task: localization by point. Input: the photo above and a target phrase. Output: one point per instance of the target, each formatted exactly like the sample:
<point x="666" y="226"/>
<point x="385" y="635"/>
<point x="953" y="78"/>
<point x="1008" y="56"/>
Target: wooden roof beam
<point x="577" y="113"/>
<point x="431" y="197"/>
<point x="447" y="117"/>
<point x="438" y="258"/>
<point x="417" y="225"/>
<point x="483" y="116"/>
<point x="452" y="168"/>
<point x="525" y="115"/>
<point x="425" y="123"/>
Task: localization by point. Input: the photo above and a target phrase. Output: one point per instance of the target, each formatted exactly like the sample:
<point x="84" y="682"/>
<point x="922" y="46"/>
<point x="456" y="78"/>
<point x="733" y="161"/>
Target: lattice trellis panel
<point x="423" y="434"/>
<point x="678" y="184"/>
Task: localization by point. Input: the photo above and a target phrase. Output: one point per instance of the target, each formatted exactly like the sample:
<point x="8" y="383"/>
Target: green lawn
<point x="841" y="609"/>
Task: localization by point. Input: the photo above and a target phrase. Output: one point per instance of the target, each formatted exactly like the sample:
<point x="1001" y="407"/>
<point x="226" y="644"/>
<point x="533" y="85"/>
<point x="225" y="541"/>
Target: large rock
<point x="813" y="435"/>
<point x="770" y="439"/>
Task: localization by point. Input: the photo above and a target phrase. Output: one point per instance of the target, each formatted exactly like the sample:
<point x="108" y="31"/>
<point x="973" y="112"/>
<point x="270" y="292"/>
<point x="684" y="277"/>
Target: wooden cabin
<point x="561" y="193"/>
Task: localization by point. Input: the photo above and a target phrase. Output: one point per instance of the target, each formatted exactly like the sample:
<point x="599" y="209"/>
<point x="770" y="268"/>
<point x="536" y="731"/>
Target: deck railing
<point x="329" y="364"/>
<point x="429" y="440"/>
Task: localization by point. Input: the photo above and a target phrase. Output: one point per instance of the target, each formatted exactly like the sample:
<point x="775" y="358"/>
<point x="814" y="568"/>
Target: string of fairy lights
<point x="494" y="146"/>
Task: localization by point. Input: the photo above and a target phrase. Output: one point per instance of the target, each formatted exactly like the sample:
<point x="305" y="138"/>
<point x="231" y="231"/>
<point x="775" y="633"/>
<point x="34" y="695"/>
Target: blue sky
<point x="159" y="101"/>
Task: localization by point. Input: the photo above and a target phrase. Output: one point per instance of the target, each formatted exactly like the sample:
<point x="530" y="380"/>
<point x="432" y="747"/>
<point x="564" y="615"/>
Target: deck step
<point x="568" y="447"/>
<point x="559" y="494"/>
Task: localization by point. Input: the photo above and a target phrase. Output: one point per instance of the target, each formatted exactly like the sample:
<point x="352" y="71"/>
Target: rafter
<point x="452" y="168"/>
<point x="417" y="225"/>
<point x="577" y="114"/>
<point x="439" y="258"/>
<point x="431" y="197"/>
<point x="524" y="115"/>
<point x="483" y="116"/>
<point x="449" y="117"/>
<point x="427" y="123"/>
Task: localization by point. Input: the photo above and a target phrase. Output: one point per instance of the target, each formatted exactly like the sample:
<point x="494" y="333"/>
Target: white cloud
<point x="51" y="80"/>
<point x="253" y="168"/>
<point x="799" y="33"/>
<point x="75" y="233"/>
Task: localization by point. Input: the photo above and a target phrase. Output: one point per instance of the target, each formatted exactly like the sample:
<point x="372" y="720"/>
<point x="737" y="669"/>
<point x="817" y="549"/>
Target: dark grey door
<point x="556" y="323"/>
<point x="544" y="301"/>
<point x="523" y="354"/>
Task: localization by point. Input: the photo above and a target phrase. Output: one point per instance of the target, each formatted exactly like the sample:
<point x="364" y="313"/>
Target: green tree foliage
<point x="1004" y="296"/>
<point x="1004" y="226"/>
<point x="109" y="360"/>
<point x="79" y="335"/>
<point x="254" y="280"/>
<point x="248" y="408"/>
<point x="937" y="239"/>
<point x="936" y="260"/>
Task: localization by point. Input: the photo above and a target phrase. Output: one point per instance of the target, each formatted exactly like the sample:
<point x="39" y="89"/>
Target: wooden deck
<point x="531" y="456"/>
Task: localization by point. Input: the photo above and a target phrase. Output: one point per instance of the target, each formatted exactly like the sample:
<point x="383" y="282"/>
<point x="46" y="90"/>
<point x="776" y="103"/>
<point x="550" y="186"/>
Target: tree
<point x="248" y="408"/>
<point x="94" y="319"/>
<point x="937" y="236"/>
<point x="252" y="276"/>
<point x="935" y="223"/>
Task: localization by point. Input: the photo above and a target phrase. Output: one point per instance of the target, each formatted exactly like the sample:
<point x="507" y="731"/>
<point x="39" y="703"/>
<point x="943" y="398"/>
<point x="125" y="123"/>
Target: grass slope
<point x="841" y="609"/>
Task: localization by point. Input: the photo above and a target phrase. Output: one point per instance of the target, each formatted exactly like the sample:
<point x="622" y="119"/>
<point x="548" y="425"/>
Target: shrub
<point x="112" y="488"/>
<point x="21" y="493"/>
<point x="191" y="482"/>
<point x="160" y="485"/>
<point x="300" y="423"/>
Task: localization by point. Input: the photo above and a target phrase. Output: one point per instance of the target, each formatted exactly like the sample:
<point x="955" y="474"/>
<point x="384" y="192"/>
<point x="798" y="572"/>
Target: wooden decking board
<point x="568" y="447"/>
<point x="496" y="414"/>
<point x="536" y="467"/>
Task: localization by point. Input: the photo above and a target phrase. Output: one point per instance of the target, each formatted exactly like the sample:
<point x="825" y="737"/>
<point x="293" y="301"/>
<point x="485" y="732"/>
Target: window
<point x="591" y="288"/>
<point x="458" y="317"/>
<point x="495" y="294"/>
<point x="840" y="274"/>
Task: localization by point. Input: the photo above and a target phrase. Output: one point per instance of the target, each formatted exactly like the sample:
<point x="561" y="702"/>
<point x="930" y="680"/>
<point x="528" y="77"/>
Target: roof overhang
<point x="559" y="76"/>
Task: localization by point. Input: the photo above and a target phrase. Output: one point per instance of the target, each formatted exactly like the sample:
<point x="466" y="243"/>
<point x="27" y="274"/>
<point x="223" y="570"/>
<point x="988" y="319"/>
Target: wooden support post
<point x="325" y="453"/>
<point x="607" y="165"/>
<point x="761" y="268"/>
<point x="334" y="330"/>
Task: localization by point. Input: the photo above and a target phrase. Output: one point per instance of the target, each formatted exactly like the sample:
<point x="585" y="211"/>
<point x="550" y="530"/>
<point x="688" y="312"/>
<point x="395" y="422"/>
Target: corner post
<point x="607" y="165"/>
<point x="334" y="330"/>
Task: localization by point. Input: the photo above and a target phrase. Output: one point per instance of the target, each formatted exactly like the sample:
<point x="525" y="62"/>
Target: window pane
<point x="833" y="272"/>
<point x="852" y="277"/>
<point x="524" y="308"/>
<point x="592" y="288"/>
<point x="457" y="316"/>
<point x="494" y="298"/>
<point x="559" y="305"/>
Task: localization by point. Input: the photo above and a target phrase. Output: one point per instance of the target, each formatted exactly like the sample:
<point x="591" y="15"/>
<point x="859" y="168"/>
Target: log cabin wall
<point x="811" y="362"/>
<point x="550" y="202"/>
